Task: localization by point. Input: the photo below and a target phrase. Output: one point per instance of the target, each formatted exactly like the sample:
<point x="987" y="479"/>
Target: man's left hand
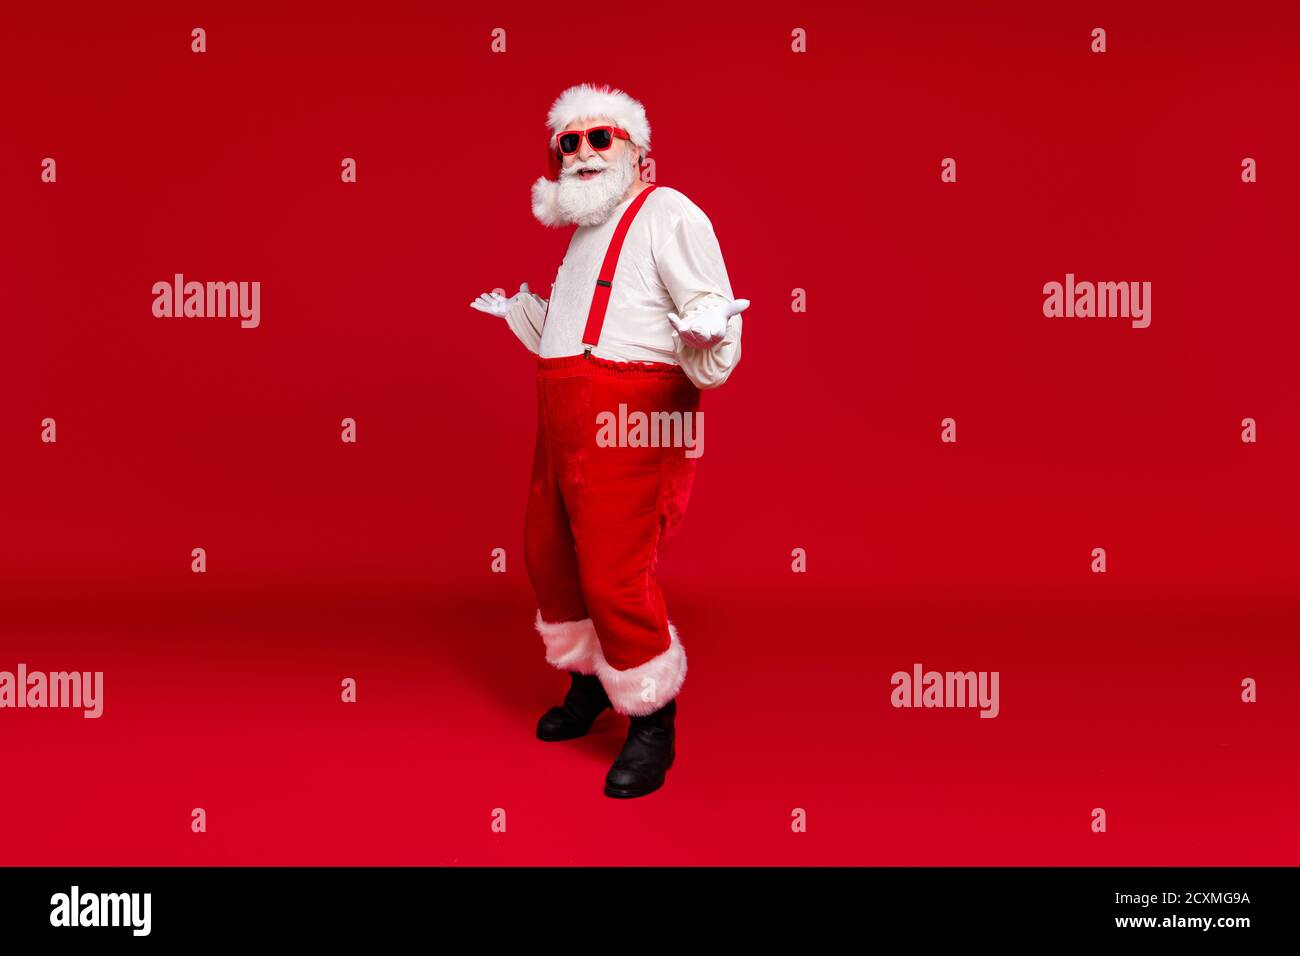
<point x="706" y="329"/>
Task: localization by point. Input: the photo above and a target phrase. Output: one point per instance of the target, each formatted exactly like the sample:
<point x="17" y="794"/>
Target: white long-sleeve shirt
<point x="671" y="262"/>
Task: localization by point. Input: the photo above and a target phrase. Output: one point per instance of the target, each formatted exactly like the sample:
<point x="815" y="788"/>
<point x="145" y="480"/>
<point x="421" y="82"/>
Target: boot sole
<point x="628" y="794"/>
<point x="553" y="738"/>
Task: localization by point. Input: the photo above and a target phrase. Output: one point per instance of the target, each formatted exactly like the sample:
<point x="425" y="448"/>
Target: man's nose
<point x="585" y="151"/>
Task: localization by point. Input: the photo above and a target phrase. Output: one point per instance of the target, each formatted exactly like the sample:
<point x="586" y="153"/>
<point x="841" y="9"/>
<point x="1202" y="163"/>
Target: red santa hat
<point x="578" y="102"/>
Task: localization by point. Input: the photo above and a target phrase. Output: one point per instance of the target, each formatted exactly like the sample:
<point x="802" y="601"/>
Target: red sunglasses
<point x="601" y="138"/>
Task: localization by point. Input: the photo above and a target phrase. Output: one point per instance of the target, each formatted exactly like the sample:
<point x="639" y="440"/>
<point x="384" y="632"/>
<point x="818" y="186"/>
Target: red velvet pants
<point x="599" y="514"/>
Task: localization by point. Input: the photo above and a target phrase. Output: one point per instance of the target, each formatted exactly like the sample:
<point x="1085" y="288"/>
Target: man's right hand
<point x="494" y="303"/>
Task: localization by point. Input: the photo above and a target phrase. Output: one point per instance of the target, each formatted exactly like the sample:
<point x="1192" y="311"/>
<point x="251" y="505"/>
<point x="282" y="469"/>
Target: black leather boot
<point x="647" y="755"/>
<point x="582" y="705"/>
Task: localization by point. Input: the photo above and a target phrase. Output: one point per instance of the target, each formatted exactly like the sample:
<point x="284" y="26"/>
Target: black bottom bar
<point x="646" y="909"/>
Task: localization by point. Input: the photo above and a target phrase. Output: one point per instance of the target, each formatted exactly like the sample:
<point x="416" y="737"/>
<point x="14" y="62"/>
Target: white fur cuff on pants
<point x="570" y="645"/>
<point x="645" y="688"/>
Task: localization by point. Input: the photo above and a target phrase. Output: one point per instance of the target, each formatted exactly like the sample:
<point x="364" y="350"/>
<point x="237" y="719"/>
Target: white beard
<point x="590" y="202"/>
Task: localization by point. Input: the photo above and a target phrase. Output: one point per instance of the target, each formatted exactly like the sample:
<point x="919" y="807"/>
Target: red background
<point x="820" y="172"/>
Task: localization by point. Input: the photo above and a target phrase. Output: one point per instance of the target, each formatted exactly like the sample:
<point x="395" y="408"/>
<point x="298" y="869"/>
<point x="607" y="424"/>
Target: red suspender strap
<point x="600" y="298"/>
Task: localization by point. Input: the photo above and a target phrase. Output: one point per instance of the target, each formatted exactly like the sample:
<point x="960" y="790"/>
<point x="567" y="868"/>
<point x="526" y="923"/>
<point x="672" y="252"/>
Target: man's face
<point x="593" y="182"/>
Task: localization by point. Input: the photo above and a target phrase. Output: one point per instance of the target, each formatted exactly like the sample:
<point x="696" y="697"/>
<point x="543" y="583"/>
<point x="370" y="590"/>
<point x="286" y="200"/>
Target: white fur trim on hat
<point x="589" y="101"/>
<point x="570" y="645"/>
<point x="626" y="688"/>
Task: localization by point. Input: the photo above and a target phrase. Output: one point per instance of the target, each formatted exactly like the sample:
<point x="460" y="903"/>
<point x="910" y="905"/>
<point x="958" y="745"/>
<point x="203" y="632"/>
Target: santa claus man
<point x="640" y="319"/>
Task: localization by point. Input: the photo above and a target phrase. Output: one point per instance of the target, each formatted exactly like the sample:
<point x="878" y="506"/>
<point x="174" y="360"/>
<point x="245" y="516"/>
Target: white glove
<point x="706" y="329"/>
<point x="494" y="303"/>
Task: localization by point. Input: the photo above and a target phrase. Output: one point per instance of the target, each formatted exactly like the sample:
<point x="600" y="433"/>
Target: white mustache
<point x="575" y="168"/>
